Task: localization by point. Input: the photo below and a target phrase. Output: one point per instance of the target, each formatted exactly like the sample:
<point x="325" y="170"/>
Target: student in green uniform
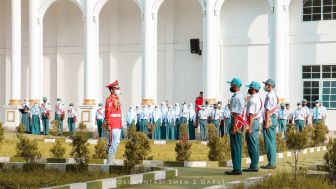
<point x="237" y="108"/>
<point x="253" y="108"/>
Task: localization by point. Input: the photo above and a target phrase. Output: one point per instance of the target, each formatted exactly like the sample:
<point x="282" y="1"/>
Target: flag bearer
<point x="100" y="116"/>
<point x="113" y="120"/>
<point x="253" y="109"/>
<point x="72" y="118"/>
<point x="270" y="123"/>
<point x="45" y="117"/>
<point x="237" y="108"/>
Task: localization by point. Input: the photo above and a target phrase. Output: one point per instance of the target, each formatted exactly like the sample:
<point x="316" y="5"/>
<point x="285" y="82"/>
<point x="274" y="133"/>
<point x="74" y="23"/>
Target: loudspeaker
<point x="195" y="46"/>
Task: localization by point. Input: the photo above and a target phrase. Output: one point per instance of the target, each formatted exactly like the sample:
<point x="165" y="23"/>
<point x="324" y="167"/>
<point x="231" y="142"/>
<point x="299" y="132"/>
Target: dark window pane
<point x="306" y="84"/>
<point x="333" y="91"/>
<point x="316" y="69"/>
<point x="315" y="84"/>
<point x="306" y="75"/>
<point x="317" y="2"/>
<point x="334" y="2"/>
<point x="325" y="97"/>
<point x="326" y="104"/>
<point x="333" y="97"/>
<point x="332" y="105"/>
<point x="326" y="75"/>
<point x="315" y="91"/>
<point x="307" y="18"/>
<point x="334" y="7"/>
<point x="326" y="90"/>
<point x="316" y="10"/>
<point x="327" y="2"/>
<point x="326" y="68"/>
<point x="306" y="91"/>
<point x="327" y="9"/>
<point x="316" y="75"/>
<point x="333" y="84"/>
<point x="326" y="16"/>
<point x="326" y="83"/>
<point x="334" y="16"/>
<point x="307" y="3"/>
<point x="334" y="67"/>
<point x="333" y="75"/>
<point x="316" y="17"/>
<point x="307" y="10"/>
<point x="306" y="68"/>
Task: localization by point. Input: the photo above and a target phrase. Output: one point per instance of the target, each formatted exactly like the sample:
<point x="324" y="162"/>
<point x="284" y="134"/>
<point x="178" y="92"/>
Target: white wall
<point x="244" y="43"/>
<point x="312" y="43"/>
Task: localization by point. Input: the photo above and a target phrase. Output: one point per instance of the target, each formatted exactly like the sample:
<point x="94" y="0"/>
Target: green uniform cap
<point x="235" y="81"/>
<point x="254" y="85"/>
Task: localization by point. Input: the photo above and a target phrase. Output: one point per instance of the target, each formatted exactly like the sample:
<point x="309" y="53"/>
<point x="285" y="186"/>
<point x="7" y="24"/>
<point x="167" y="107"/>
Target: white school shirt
<point x="237" y="103"/>
<point x="100" y="113"/>
<point x="254" y="106"/>
<point x="283" y="114"/>
<point x="299" y="114"/>
<point x="271" y="101"/>
<point x="216" y="114"/>
<point x="72" y="113"/>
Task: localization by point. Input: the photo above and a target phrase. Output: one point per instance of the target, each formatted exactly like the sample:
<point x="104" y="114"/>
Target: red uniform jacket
<point x="198" y="102"/>
<point x="113" y="116"/>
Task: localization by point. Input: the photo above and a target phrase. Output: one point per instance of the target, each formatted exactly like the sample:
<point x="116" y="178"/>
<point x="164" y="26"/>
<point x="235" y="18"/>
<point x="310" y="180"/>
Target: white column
<point x="35" y="52"/>
<point x="88" y="109"/>
<point x="149" y="69"/>
<point x="91" y="55"/>
<point x="211" y="55"/>
<point x="16" y="53"/>
<point x="281" y="48"/>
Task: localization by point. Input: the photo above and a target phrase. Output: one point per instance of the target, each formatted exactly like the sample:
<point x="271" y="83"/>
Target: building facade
<point x="70" y="49"/>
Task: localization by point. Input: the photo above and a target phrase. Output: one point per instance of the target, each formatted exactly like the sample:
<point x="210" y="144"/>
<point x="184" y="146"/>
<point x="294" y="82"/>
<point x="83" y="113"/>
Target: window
<point x="319" y="82"/>
<point x="315" y="10"/>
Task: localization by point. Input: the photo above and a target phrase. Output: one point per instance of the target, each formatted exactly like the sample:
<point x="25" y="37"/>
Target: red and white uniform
<point x="113" y="116"/>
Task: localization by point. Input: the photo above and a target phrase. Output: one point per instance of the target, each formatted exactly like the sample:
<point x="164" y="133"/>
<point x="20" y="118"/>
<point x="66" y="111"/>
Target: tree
<point x="2" y="133"/>
<point x="330" y="158"/>
<point x="27" y="149"/>
<point x="100" y="150"/>
<point x="58" y="149"/>
<point x="183" y="146"/>
<point x="80" y="150"/>
<point x="219" y="147"/>
<point x="296" y="142"/>
<point x="137" y="149"/>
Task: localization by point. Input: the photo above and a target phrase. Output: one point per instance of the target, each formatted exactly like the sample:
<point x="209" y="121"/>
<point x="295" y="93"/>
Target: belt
<point x="115" y="115"/>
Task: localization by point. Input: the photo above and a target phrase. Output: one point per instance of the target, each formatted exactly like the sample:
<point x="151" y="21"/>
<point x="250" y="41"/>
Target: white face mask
<point x="117" y="92"/>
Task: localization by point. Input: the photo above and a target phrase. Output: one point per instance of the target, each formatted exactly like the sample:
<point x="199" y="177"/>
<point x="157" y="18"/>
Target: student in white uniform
<point x="299" y="117"/>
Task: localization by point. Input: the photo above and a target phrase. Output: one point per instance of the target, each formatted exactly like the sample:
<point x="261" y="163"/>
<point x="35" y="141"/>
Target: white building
<point x="72" y="48"/>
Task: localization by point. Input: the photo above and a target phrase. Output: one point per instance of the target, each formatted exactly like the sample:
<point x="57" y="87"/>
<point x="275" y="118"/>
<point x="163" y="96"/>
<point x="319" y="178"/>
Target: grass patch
<point x="45" y="178"/>
<point x="281" y="181"/>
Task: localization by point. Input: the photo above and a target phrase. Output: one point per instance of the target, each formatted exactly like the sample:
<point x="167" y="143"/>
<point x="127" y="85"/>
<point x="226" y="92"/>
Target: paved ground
<point x="195" y="178"/>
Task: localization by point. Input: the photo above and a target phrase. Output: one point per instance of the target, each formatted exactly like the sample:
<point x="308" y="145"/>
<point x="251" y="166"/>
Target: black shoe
<point x="233" y="172"/>
<point x="268" y="167"/>
<point x="250" y="170"/>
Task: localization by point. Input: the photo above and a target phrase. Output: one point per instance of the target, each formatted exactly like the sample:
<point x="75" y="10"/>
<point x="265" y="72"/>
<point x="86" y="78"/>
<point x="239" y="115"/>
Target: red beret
<point x="113" y="85"/>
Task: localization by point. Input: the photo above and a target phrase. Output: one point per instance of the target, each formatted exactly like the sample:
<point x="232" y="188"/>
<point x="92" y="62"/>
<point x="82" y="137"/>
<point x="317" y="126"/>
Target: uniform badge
<point x="116" y="103"/>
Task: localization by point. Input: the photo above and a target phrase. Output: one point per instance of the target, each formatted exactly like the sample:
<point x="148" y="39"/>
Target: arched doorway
<point x="178" y="69"/>
<point x="63" y="60"/>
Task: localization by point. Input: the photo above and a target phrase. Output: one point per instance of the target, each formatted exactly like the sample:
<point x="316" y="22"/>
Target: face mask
<point x="117" y="92"/>
<point x="282" y="107"/>
<point x="231" y="90"/>
<point x="266" y="89"/>
<point x="250" y="91"/>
